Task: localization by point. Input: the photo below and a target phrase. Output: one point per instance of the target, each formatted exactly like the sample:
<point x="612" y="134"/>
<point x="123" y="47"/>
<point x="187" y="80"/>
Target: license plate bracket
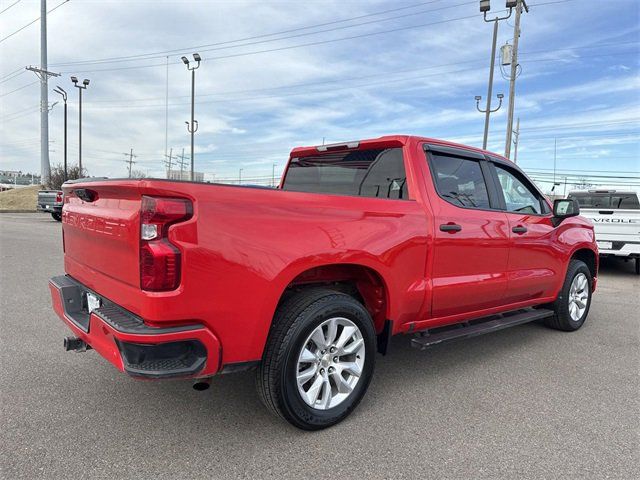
<point x="93" y="301"/>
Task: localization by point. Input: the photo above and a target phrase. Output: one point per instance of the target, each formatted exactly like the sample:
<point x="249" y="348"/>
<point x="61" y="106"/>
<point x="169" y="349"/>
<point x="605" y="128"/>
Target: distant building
<point x="185" y="175"/>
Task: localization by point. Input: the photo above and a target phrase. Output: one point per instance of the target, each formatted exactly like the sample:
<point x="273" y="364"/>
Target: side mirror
<point x="564" y="208"/>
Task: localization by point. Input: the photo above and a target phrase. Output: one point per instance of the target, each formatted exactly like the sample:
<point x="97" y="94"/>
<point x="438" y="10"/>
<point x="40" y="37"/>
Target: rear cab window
<point x="376" y="173"/>
<point x="607" y="200"/>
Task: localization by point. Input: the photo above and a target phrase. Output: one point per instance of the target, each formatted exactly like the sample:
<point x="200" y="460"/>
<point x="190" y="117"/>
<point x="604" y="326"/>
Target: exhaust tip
<point x="202" y="384"/>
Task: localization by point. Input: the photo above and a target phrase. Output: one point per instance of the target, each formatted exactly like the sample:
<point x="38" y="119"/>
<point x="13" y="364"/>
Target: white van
<point x="615" y="213"/>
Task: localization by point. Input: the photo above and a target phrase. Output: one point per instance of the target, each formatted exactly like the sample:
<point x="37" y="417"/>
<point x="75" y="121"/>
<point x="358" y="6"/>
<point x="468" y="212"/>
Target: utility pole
<point x="240" y="176"/>
<point x="193" y="126"/>
<point x="519" y="4"/>
<point x="44" y="74"/>
<point x="273" y="175"/>
<point x="130" y="161"/>
<point x="169" y="161"/>
<point x="181" y="162"/>
<point x="484" y="8"/>
<point x="516" y="141"/>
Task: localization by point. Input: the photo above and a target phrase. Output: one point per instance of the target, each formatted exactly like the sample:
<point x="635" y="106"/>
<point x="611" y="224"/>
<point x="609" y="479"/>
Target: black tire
<point x="294" y="321"/>
<point x="57" y="216"/>
<point x="562" y="319"/>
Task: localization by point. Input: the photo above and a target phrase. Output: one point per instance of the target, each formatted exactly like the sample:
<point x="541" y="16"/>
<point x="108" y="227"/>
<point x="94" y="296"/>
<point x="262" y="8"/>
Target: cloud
<point x="253" y="109"/>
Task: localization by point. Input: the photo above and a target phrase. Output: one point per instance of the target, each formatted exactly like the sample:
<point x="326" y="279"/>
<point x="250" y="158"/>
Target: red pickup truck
<point x="306" y="282"/>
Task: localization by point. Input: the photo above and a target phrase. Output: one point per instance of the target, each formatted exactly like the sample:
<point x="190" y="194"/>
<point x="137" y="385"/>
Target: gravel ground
<point x="526" y="402"/>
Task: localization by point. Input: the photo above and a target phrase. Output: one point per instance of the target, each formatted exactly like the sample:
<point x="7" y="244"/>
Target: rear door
<point x="471" y="244"/>
<point x="533" y="265"/>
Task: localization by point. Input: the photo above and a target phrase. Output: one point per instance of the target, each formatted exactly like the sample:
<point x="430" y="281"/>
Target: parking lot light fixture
<point x="85" y="84"/>
<point x="192" y="127"/>
<point x="485" y="6"/>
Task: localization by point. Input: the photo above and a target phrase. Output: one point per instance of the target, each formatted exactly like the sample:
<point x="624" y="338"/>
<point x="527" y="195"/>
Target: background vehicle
<point x="50" y="201"/>
<point x="362" y="241"/>
<point x="615" y="214"/>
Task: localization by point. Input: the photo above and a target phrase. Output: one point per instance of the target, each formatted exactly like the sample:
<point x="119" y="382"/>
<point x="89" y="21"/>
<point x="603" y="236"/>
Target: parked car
<point x="50" y="201"/>
<point x="304" y="283"/>
<point x="615" y="213"/>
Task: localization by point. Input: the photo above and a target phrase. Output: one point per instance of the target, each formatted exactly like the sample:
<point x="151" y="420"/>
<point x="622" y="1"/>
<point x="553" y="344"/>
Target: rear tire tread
<point x="291" y="310"/>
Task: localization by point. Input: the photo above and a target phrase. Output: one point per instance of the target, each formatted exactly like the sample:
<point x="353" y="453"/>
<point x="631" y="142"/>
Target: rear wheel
<point x="572" y="305"/>
<point x="319" y="359"/>
<point x="57" y="216"/>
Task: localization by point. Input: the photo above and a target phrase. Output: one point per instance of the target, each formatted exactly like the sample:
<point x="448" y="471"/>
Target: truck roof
<point x="386" y="141"/>
<point x="607" y="189"/>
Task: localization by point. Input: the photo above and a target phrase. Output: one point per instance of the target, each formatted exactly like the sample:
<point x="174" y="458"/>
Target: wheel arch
<point x="589" y="257"/>
<point x="362" y="282"/>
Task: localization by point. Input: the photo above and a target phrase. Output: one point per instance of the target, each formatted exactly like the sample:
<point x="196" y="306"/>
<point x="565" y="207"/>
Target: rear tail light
<point x="160" y="260"/>
<point x="59" y="197"/>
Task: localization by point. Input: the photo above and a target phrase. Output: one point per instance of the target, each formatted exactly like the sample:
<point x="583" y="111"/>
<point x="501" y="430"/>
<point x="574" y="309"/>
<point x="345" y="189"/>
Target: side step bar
<point x="480" y="326"/>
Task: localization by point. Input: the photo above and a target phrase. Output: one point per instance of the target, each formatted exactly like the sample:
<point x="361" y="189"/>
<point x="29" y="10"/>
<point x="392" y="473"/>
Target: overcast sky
<point x="277" y="74"/>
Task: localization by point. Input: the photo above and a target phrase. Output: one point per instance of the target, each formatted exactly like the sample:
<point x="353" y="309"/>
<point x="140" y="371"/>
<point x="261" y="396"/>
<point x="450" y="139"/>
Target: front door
<point x="534" y="267"/>
<point x="471" y="236"/>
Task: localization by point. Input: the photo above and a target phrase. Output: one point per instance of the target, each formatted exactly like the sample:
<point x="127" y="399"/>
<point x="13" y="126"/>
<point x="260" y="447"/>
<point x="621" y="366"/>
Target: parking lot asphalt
<point x="526" y="402"/>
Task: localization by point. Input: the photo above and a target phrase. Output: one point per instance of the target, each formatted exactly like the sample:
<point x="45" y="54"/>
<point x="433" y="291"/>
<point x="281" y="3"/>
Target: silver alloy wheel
<point x="330" y="363"/>
<point x="578" y="296"/>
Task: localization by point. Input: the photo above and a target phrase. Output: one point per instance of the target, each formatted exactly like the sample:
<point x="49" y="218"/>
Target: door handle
<point x="519" y="229"/>
<point x="450" y="227"/>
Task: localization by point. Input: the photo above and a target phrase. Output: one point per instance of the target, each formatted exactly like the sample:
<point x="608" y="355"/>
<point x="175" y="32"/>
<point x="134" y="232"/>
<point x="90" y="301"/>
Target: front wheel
<point x="319" y="359"/>
<point x="572" y="305"/>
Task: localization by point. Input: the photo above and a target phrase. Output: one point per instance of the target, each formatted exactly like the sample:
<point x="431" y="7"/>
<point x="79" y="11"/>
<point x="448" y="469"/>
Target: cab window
<point x="519" y="195"/>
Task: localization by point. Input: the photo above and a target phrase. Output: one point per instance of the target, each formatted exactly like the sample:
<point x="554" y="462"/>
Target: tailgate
<point x="101" y="230"/>
<point x="617" y="225"/>
<point x="47" y="198"/>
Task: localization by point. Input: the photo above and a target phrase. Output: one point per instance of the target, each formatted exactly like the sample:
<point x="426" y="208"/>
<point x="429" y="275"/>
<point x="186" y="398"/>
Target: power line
<point x="164" y="53"/>
<point x="14" y="3"/>
<point x="289" y="47"/>
<point x="581" y="125"/>
<point x="14" y="74"/>
<point x="19" y="88"/>
<point x="324" y="82"/>
<point x="32" y="22"/>
<point x="110" y="104"/>
<point x="226" y="44"/>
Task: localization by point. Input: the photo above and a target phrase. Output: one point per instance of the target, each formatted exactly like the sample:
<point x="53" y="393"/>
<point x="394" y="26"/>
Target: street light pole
<point x="193" y="126"/>
<point x="484" y="8"/>
<point x="85" y="84"/>
<point x="60" y="91"/>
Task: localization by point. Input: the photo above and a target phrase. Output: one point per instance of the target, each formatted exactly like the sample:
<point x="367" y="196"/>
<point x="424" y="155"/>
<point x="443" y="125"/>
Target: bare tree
<point x="56" y="178"/>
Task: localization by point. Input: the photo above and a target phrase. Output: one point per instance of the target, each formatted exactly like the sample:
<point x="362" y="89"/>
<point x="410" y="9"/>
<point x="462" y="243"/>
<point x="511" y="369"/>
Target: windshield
<point x="607" y="200"/>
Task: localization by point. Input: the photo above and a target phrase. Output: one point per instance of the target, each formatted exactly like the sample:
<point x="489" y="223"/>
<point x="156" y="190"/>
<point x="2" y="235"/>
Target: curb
<point x="19" y="211"/>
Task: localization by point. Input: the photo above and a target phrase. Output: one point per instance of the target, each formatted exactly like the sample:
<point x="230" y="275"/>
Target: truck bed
<point x="240" y="242"/>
